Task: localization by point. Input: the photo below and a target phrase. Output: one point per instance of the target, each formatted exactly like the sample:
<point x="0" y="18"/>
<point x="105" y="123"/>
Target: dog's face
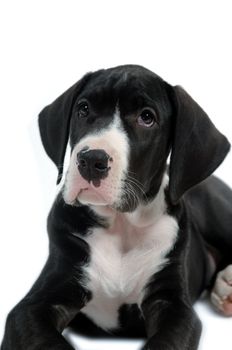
<point x="122" y="123"/>
<point x="119" y="136"/>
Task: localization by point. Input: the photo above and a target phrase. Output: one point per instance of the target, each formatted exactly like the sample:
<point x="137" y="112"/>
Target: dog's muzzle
<point x="93" y="165"/>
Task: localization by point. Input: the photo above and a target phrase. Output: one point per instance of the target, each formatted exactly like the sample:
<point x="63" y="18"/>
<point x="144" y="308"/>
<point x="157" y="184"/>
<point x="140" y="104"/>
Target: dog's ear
<point x="54" y="123"/>
<point x="198" y="148"/>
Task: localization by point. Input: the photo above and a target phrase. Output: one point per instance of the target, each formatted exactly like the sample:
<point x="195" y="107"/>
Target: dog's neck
<point x="143" y="216"/>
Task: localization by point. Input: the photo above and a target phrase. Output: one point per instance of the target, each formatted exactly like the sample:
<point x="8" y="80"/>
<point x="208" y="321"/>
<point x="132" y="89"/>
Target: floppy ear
<point x="54" y="123"/>
<point x="198" y="148"/>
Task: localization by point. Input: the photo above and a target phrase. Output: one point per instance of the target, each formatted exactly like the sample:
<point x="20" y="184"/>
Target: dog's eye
<point x="146" y="118"/>
<point x="83" y="110"/>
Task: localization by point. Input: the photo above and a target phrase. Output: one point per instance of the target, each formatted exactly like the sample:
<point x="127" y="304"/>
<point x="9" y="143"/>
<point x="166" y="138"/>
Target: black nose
<point x="93" y="165"/>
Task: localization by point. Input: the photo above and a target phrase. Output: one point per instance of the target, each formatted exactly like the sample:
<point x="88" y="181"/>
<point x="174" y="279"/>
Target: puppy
<point x="133" y="243"/>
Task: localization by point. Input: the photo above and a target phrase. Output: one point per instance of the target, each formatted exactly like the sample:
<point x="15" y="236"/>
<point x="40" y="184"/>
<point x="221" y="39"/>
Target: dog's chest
<point x="123" y="258"/>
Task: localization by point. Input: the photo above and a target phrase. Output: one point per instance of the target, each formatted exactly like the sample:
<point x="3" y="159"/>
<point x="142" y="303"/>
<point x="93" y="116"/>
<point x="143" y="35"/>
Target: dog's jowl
<point x="133" y="241"/>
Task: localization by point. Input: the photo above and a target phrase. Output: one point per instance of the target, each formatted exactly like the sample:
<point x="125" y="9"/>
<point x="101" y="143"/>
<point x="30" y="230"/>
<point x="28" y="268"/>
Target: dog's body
<point x="132" y="243"/>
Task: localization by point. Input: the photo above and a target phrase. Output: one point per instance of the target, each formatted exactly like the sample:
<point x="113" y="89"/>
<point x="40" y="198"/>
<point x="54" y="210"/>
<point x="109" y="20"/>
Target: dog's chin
<point x="95" y="199"/>
<point x="88" y="197"/>
<point x="83" y="193"/>
<point x="121" y="204"/>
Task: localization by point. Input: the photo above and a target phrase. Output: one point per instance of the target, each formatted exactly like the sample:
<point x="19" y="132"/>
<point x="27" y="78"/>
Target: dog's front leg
<point x="170" y="320"/>
<point x="36" y="323"/>
<point x="33" y="327"/>
<point x="172" y="327"/>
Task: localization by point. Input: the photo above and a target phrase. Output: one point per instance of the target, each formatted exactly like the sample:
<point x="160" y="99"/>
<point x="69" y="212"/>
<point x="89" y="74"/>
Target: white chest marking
<point x="123" y="259"/>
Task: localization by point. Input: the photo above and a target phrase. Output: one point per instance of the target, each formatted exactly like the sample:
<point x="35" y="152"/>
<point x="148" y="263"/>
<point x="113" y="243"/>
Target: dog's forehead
<point x="129" y="87"/>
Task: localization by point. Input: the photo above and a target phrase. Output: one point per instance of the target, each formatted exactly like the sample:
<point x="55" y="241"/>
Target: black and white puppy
<point x="133" y="243"/>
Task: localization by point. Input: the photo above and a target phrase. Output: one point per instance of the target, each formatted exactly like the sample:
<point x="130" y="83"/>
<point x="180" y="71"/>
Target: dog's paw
<point x="221" y="295"/>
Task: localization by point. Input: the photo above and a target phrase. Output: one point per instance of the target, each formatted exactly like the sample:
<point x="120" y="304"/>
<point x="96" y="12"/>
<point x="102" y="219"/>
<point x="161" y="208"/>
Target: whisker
<point x="135" y="184"/>
<point x="135" y="180"/>
<point x="133" y="193"/>
<point x="130" y="195"/>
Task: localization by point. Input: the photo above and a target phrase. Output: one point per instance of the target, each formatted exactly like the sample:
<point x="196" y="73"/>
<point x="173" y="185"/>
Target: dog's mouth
<point x="96" y="177"/>
<point x="81" y="188"/>
<point x="95" y="194"/>
<point x="89" y="196"/>
<point x="103" y="193"/>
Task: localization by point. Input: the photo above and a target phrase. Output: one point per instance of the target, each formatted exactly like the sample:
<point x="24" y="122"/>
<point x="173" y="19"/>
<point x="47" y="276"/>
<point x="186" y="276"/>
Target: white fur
<point x="125" y="256"/>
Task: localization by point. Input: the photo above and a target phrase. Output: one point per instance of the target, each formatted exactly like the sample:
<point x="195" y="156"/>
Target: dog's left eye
<point x="83" y="110"/>
<point x="146" y="118"/>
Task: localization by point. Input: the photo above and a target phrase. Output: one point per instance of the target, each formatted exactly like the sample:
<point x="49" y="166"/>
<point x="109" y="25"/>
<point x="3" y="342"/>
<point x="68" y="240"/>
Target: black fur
<point x="204" y="214"/>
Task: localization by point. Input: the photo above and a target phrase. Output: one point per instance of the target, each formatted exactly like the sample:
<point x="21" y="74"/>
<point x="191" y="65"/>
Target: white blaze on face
<point x="113" y="140"/>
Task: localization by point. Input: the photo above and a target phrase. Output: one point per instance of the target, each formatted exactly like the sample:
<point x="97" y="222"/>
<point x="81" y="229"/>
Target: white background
<point x="45" y="47"/>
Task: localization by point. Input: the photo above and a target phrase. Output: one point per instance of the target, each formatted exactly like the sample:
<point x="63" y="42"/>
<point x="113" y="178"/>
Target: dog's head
<point x="121" y="124"/>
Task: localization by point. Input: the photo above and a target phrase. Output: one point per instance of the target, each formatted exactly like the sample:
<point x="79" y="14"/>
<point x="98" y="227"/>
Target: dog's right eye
<point x="83" y="110"/>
